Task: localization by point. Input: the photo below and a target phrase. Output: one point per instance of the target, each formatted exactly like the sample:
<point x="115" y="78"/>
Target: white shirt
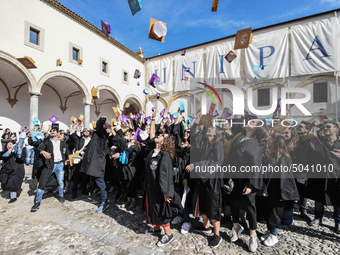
<point x="56" y="151"/>
<point x="87" y="140"/>
<point x="155" y="153"/>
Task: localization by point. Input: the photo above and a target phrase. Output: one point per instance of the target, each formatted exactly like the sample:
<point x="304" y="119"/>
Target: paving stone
<point x="113" y="239"/>
<point x="95" y="232"/>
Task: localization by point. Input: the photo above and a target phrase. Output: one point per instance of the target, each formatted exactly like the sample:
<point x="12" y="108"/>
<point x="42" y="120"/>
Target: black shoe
<point x="204" y="230"/>
<point x="35" y="207"/>
<point x="62" y="200"/>
<point x="165" y="240"/>
<point x="12" y="200"/>
<point x="305" y="217"/>
<point x="74" y="195"/>
<point x="118" y="196"/>
<point x="337" y="229"/>
<point x="215" y="241"/>
<point x="85" y="193"/>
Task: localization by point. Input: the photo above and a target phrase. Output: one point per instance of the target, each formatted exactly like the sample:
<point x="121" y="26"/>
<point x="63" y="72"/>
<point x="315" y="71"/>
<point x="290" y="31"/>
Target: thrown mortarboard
<point x="162" y="111"/>
<point x="81" y="117"/>
<point x="214" y="6"/>
<point x="224" y="113"/>
<point x="188" y="120"/>
<point x="314" y="121"/>
<point x="192" y="121"/>
<point x="113" y="122"/>
<point x="148" y="120"/>
<point x="127" y="105"/>
<point x="59" y="62"/>
<point x="116" y="111"/>
<point x="137" y="74"/>
<point x="124" y="119"/>
<point x="157" y="30"/>
<point x="27" y="62"/>
<point x="183" y="52"/>
<point x="154" y="80"/>
<point x="175" y="115"/>
<point x="256" y="80"/>
<point x="206" y="120"/>
<point x="37" y="136"/>
<point x="72" y="119"/>
<point x="36" y="122"/>
<point x="323" y="117"/>
<point x="137" y="83"/>
<point x="165" y="119"/>
<point x="106" y="28"/>
<point x="158" y="95"/>
<point x="181" y="106"/>
<point x="146" y="91"/>
<point x="187" y="69"/>
<point x="230" y="112"/>
<point x="215" y="113"/>
<point x="95" y="93"/>
<point x="93" y="124"/>
<point x="230" y="56"/>
<point x="140" y="135"/>
<point x="137" y="116"/>
<point x="135" y="6"/>
<point x="242" y="38"/>
<point x="55" y="126"/>
<point x="256" y="68"/>
<point x="124" y="157"/>
<point x="212" y="108"/>
<point x="53" y="119"/>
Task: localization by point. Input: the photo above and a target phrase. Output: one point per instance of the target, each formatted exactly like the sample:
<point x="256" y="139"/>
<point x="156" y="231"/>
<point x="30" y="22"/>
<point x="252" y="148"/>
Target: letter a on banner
<point x="321" y="48"/>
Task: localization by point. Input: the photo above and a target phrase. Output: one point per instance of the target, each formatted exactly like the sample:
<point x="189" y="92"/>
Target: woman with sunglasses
<point x="247" y="151"/>
<point x="280" y="185"/>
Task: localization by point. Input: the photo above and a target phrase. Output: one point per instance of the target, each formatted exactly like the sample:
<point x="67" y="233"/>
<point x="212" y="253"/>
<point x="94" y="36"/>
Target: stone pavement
<point x="75" y="228"/>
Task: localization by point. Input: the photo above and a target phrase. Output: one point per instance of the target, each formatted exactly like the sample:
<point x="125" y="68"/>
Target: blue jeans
<point x="287" y="217"/>
<point x="185" y="214"/>
<point x="21" y="141"/>
<point x="58" y="169"/>
<point x="102" y="186"/>
<point x="274" y="231"/>
<point x="320" y="209"/>
<point x="29" y="156"/>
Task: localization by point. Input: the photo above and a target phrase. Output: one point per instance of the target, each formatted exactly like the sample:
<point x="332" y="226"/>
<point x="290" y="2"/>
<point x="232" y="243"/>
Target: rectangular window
<point x="104" y="65"/>
<point x="263" y="97"/>
<point x="320" y="92"/>
<point x="125" y="76"/>
<point x="75" y="54"/>
<point x="34" y="36"/>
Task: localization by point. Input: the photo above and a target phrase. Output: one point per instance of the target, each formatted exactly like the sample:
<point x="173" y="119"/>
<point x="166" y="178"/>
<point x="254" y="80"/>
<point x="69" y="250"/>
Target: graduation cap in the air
<point x="59" y="62"/>
<point x="256" y="68"/>
<point x="124" y="119"/>
<point x="212" y="108"/>
<point x="230" y="56"/>
<point x="106" y="28"/>
<point x="187" y="69"/>
<point x="137" y="74"/>
<point x="127" y="105"/>
<point x="214" y="6"/>
<point x="181" y="106"/>
<point x="37" y="136"/>
<point x="256" y="80"/>
<point x="93" y="124"/>
<point x="216" y="113"/>
<point x="243" y="38"/>
<point x="95" y="93"/>
<point x="146" y="91"/>
<point x="192" y="120"/>
<point x="116" y="111"/>
<point x="27" y="62"/>
<point x="157" y="30"/>
<point x="183" y="52"/>
<point x="148" y="120"/>
<point x="81" y="117"/>
<point x="137" y="83"/>
<point x="72" y="119"/>
<point x="53" y="119"/>
<point x="36" y="122"/>
<point x="158" y="95"/>
<point x="162" y="111"/>
<point x="140" y="135"/>
<point x="323" y="117"/>
<point x="137" y="116"/>
<point x="135" y="6"/>
<point x="154" y="80"/>
<point x="206" y="120"/>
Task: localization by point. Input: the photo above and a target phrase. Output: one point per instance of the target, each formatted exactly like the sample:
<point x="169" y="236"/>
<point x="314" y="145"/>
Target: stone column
<point x="34" y="107"/>
<point x="87" y="115"/>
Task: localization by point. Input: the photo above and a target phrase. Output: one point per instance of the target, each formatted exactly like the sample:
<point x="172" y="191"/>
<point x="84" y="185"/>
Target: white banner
<point x="163" y="69"/>
<point x="271" y="51"/>
<point x="192" y="60"/>
<point x="314" y="47"/>
<point x="218" y="67"/>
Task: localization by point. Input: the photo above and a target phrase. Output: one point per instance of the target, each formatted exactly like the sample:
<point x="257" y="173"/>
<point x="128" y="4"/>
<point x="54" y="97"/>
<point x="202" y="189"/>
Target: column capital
<point x="34" y="94"/>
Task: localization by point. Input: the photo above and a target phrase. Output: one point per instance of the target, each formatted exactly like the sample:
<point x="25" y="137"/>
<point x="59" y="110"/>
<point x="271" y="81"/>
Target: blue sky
<point x="191" y="22"/>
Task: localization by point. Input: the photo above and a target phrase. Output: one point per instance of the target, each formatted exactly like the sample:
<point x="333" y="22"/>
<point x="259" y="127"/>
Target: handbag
<point x="264" y="191"/>
<point x="228" y="188"/>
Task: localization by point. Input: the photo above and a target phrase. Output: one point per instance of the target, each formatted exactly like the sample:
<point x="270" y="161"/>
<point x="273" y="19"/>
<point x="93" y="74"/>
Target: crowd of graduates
<point x="158" y="157"/>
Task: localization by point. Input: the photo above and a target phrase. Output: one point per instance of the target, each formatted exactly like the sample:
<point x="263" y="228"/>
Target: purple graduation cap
<point x="153" y="109"/>
<point x="192" y="120"/>
<point x="154" y="80"/>
<point x="137" y="116"/>
<point x="137" y="74"/>
<point x="53" y="119"/>
<point x="140" y="135"/>
<point x="162" y="111"/>
<point x="135" y="6"/>
<point x="215" y="113"/>
<point x="158" y="95"/>
<point x="187" y="69"/>
<point x="124" y="119"/>
<point x="230" y="112"/>
<point x="106" y="28"/>
<point x="183" y="53"/>
<point x="165" y="120"/>
<point x="148" y="120"/>
<point x="137" y="83"/>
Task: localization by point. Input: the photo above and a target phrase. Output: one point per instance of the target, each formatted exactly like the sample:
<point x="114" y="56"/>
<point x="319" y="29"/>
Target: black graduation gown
<point x="94" y="160"/>
<point x="282" y="184"/>
<point x="159" y="181"/>
<point x="47" y="179"/>
<point x="38" y="159"/>
<point x="12" y="171"/>
<point x="131" y="168"/>
<point x="325" y="190"/>
<point x="210" y="185"/>
<point x="245" y="153"/>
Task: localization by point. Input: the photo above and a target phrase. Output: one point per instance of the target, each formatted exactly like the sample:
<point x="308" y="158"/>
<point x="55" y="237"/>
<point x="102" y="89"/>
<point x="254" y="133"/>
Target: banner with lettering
<point x="314" y="47"/>
<point x="163" y="69"/>
<point x="267" y="57"/>
<point x="186" y="67"/>
<point x="218" y="68"/>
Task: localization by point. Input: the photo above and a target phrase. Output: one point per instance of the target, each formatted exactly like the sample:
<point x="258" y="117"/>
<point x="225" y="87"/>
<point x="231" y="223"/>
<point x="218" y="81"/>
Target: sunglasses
<point x="52" y="130"/>
<point x="328" y="127"/>
<point x="86" y="130"/>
